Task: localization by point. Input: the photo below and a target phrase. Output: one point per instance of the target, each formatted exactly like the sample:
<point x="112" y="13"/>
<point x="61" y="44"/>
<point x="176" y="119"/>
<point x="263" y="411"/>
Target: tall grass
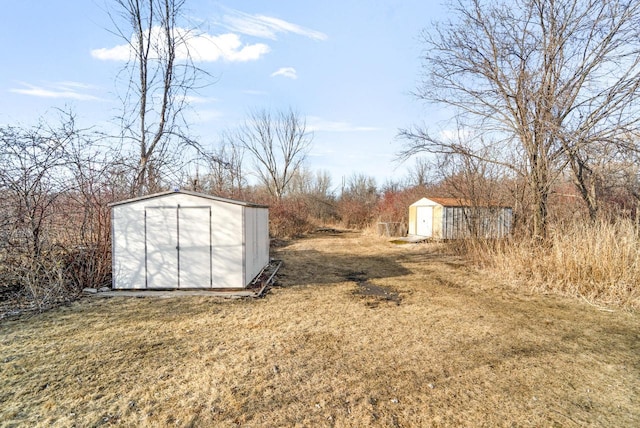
<point x="598" y="261"/>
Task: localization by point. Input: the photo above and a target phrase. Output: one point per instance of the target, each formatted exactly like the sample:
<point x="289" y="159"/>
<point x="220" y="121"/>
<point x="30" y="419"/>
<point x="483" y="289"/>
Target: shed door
<point x="161" y="247"/>
<point x="424" y="220"/>
<point x="194" y="247"/>
<point x="178" y="247"/>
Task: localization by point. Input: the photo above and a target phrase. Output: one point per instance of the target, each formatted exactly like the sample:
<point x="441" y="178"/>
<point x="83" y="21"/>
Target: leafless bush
<point x="55" y="230"/>
<point x="88" y="267"/>
<point x="289" y="218"/>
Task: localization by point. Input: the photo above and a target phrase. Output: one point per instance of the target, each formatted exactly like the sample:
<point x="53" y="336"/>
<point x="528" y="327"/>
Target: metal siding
<point x="225" y="231"/>
<point x="257" y="241"/>
<point x="249" y="257"/>
<point x="453" y="222"/>
<point x="488" y="222"/>
<point x="245" y="258"/>
<point x="264" y="234"/>
<point x="448" y="222"/>
<point x="128" y="247"/>
<point x="227" y="246"/>
<point x="113" y="251"/>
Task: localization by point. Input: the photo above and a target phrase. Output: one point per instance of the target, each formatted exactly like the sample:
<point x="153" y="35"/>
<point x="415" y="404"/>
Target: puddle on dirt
<point x="367" y="289"/>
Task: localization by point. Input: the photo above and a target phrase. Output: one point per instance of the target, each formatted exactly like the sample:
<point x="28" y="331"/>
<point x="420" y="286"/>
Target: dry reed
<point x="597" y="261"/>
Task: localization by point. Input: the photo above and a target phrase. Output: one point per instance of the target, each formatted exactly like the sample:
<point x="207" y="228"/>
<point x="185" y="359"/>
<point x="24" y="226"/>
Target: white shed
<point x="185" y="239"/>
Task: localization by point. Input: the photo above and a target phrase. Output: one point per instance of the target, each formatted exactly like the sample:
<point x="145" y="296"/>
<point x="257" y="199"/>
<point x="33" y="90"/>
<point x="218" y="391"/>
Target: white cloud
<point x="228" y="47"/>
<point x="68" y="90"/>
<point x="71" y="84"/>
<point x="265" y="26"/>
<point x="289" y="72"/>
<point x="200" y="47"/>
<point x="316" y="124"/>
<point x="116" y="53"/>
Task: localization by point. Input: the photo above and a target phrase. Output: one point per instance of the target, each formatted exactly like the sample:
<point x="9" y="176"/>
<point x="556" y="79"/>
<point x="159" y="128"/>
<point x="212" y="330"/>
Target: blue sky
<point x="348" y="66"/>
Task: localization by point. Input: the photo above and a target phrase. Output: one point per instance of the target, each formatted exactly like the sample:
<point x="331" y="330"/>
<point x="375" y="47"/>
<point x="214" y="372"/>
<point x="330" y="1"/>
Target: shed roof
<point x="187" y="192"/>
<point x="462" y="202"/>
<point x="452" y="202"/>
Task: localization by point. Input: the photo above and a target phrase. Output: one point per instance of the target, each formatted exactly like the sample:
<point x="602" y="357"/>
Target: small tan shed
<point x="181" y="239"/>
<point x="451" y="218"/>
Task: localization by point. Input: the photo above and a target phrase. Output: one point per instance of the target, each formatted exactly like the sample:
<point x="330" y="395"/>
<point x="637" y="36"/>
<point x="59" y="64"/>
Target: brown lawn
<point x="361" y="332"/>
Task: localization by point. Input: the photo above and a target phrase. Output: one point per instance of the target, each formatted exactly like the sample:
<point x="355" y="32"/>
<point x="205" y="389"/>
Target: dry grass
<point x="600" y="262"/>
<point x="456" y="350"/>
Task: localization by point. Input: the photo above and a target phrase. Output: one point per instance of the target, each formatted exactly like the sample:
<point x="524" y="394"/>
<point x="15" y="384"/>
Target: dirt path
<point x="487" y="346"/>
<point x="360" y="332"/>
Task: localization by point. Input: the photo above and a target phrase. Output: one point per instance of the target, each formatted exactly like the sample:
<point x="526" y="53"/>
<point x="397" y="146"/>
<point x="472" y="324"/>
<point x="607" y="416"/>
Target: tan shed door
<point x="424" y="221"/>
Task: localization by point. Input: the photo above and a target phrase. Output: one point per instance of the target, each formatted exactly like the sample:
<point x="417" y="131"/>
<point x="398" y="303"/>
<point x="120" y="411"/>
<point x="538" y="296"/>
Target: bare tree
<point x="160" y="74"/>
<point x="278" y="144"/>
<point x="541" y="83"/>
<point x="315" y="190"/>
<point x="358" y="199"/>
<point x="418" y="174"/>
<point x="225" y="170"/>
<point x="322" y="185"/>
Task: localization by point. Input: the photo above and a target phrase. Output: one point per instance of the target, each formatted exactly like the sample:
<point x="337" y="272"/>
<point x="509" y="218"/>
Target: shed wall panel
<point x="413" y="221"/>
<point x="250" y="245"/>
<point x="227" y="242"/>
<point x="257" y="241"/>
<point x="457" y="222"/>
<point x="128" y="244"/>
<point x="263" y="235"/>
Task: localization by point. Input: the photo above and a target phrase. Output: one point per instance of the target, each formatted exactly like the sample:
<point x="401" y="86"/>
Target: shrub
<point x="289" y="218"/>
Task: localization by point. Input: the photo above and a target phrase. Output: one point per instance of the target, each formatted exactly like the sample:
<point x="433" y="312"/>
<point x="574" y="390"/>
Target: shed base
<point x="229" y="294"/>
